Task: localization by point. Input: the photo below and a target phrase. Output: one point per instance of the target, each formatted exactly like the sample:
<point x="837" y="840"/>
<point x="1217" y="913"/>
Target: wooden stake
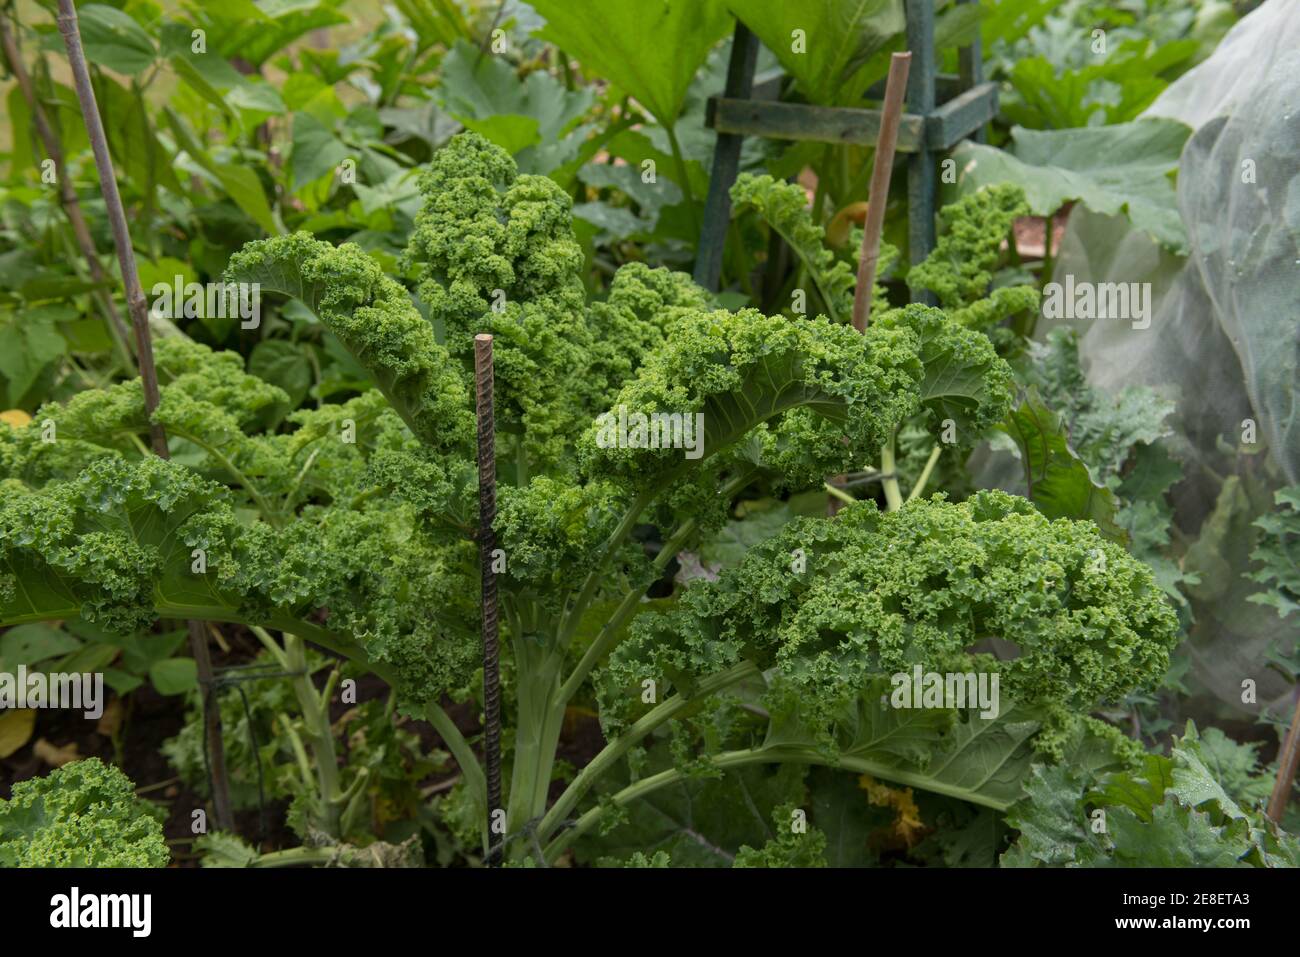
<point x="487" y="543"/>
<point x="878" y="198"/>
<point x="138" y="309"/>
<point x="1287" y="762"/>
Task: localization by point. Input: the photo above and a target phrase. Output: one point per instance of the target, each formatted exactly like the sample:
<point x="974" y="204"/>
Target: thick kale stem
<point x="314" y="707"/>
<point x="468" y="762"/>
<point x="588" y="591"/>
<point x="540" y="718"/>
<point x="612" y="752"/>
<point x="764" y="755"/>
<point x="889" y="476"/>
<point x="608" y="637"/>
<point x="919" y="487"/>
<point x="296" y="857"/>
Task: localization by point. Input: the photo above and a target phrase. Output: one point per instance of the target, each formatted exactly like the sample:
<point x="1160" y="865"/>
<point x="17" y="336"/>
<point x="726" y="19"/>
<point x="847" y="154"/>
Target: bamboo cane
<point x="138" y="310"/>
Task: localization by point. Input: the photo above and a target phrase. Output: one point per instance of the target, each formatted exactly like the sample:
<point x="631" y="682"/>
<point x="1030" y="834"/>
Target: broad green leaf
<point x="824" y="44"/>
<point x="842" y="812"/>
<point x="436" y="21"/>
<point x="735" y="538"/>
<point x="651" y="197"/>
<point x="121" y="682"/>
<point x="199" y="84"/>
<point x="478" y="87"/>
<point x="132" y="138"/>
<point x="30" y="644"/>
<point x="113" y="39"/>
<point x="317" y="151"/>
<point x="245" y="189"/>
<point x="163" y="271"/>
<point x="240" y="183"/>
<point x="647" y="48"/>
<point x="141" y="652"/>
<point x="89" y="658"/>
<point x="1053" y="95"/>
<point x="284" y="364"/>
<point x="32" y="342"/>
<point x="1137" y="790"/>
<point x="22" y="154"/>
<point x="1110" y="169"/>
<point x="86" y="335"/>
<point x="1053" y="828"/>
<point x="635" y="146"/>
<point x="399" y="192"/>
<point x="700" y="823"/>
<point x="174" y="676"/>
<point x="980" y="760"/>
<point x="510" y="132"/>
<point x="1176" y="836"/>
<point x="258" y="98"/>
<point x="256" y="31"/>
<point x="965" y="383"/>
<point x="1057" y="480"/>
<point x="617" y="222"/>
<point x="32" y="348"/>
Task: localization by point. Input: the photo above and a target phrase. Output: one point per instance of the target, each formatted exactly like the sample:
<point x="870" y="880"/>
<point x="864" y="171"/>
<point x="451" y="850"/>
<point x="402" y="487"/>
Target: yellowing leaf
<point x="16" y="418"/>
<point x="15" y="728"/>
<point x="907" y="825"/>
<point x="854" y="214"/>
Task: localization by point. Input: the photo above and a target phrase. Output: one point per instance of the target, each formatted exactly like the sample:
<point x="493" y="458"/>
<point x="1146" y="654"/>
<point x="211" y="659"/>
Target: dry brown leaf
<point x="54" y="755"/>
<point x="854" y="214"/>
<point x="111" y="720"/>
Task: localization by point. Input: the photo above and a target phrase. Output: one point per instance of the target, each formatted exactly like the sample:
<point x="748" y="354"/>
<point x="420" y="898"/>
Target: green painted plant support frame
<point x="965" y="104"/>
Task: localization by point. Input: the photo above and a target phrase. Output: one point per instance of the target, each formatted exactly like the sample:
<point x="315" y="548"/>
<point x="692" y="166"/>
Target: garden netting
<point x="1224" y="337"/>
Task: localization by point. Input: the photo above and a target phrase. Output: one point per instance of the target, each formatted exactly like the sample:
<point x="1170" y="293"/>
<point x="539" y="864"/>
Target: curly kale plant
<point x="351" y="525"/>
<point x="84" y="814"/>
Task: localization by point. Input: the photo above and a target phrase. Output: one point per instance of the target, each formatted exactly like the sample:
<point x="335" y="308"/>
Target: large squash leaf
<point x="1123" y="168"/>
<point x="648" y="48"/>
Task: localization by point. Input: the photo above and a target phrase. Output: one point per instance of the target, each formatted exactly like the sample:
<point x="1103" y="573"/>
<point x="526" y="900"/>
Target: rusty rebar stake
<point x="487" y="543"/>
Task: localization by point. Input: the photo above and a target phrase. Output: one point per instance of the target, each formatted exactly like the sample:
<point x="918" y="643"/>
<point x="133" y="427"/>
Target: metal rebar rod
<point x="487" y="510"/>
